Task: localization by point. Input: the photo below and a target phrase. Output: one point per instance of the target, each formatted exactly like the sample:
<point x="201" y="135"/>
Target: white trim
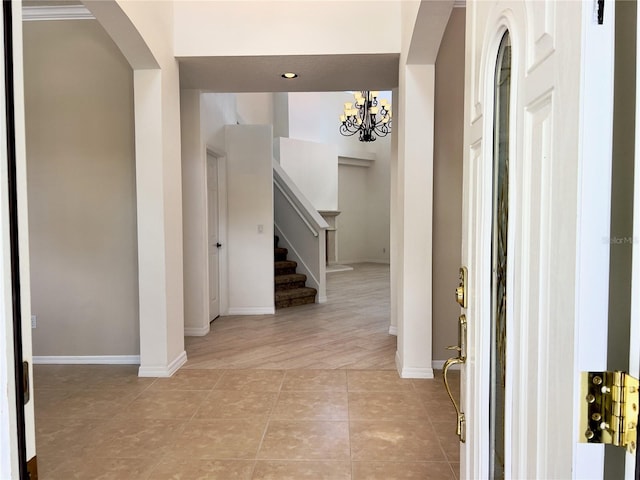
<point x="161" y="371"/>
<point x="412" y="372"/>
<point x="197" y="331"/>
<point x="215" y="151"/>
<point x="393" y="330"/>
<point x="459" y="3"/>
<point x="355" y="162"/>
<point x="86" y="360"/>
<point x="56" y="12"/>
<point x="337" y="267"/>
<point x="358" y="155"/>
<point x="439" y="365"/>
<point x="416" y="372"/>
<point x="365" y="260"/>
<point x="322" y="299"/>
<point x="252" y="310"/>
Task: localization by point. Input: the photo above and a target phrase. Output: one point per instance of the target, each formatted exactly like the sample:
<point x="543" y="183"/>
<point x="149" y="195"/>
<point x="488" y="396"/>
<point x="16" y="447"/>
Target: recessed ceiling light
<point x="289" y="75"/>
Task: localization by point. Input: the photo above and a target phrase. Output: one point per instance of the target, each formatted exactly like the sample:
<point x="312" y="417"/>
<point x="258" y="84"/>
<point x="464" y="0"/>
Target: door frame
<point x="223" y="283"/>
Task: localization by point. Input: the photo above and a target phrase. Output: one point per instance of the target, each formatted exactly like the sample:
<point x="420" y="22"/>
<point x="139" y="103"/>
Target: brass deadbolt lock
<point x="461" y="291"/>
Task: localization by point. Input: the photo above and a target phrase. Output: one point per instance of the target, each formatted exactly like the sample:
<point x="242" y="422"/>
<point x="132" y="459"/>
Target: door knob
<point x="218" y="245"/>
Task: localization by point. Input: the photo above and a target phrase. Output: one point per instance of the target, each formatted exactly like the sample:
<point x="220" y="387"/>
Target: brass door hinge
<point x="32" y="468"/>
<point x="610" y="409"/>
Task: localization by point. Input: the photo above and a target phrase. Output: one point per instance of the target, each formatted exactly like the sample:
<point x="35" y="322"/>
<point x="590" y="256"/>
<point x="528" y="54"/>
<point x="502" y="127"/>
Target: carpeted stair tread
<point x="280" y="254"/>
<point x="296" y="296"/>
<point x="285" y="267"/>
<point x="290" y="286"/>
<point x="290" y="281"/>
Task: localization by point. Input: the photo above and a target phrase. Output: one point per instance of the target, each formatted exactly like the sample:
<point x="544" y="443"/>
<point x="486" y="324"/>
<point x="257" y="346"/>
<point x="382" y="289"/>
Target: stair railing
<point x="301" y="230"/>
<point x="295" y="208"/>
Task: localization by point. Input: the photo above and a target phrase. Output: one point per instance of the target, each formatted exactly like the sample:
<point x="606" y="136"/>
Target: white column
<point x="159" y="207"/>
<point x="413" y="223"/>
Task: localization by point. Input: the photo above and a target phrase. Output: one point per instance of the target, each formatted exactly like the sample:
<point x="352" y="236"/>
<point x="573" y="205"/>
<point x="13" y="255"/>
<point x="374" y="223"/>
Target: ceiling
<point x="316" y="73"/>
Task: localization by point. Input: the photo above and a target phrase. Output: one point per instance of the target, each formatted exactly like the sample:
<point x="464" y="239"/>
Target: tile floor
<point x="310" y="393"/>
<point x="103" y="422"/>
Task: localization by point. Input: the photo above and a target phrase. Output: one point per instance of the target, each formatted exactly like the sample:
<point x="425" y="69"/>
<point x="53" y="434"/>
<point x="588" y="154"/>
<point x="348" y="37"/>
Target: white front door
<point x="17" y="420"/>
<point x="213" y="236"/>
<point x="536" y="203"/>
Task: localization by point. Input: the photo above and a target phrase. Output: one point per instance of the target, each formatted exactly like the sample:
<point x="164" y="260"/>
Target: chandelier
<point x="368" y="117"/>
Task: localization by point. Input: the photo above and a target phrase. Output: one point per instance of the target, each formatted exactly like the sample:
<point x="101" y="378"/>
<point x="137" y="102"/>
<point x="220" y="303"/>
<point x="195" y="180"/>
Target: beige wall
<point x="81" y="182"/>
<point x="447" y="179"/>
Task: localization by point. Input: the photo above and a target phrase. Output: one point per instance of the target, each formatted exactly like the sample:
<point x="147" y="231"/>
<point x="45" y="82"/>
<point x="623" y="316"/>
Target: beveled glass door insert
<point x="500" y="222"/>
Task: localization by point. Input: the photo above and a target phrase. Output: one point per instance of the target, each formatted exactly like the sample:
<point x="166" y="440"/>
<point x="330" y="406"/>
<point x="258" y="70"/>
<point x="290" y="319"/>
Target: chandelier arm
<point x="382" y="129"/>
<point x="346" y="132"/>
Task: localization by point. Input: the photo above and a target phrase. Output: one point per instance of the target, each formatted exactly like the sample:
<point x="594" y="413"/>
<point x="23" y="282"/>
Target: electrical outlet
<point x="34" y="321"/>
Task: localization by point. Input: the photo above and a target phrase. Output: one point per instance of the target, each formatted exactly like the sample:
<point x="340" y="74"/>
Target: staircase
<point x="290" y="288"/>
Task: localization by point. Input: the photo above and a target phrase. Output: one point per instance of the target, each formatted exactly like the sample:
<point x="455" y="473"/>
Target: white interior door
<point x="558" y="210"/>
<point x="213" y="230"/>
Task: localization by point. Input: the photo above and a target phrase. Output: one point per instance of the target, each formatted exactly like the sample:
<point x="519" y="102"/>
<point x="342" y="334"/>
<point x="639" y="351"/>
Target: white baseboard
<point x="322" y="299"/>
<point x="197" y="331"/>
<point x="163" y="371"/>
<point x="86" y="360"/>
<point x="364" y="260"/>
<point x="252" y="310"/>
<point x="412" y="372"/>
<point x="393" y="330"/>
<point x="415" y="372"/>
<point x="439" y="365"/>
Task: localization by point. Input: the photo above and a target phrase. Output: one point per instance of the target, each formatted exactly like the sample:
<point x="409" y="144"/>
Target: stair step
<point x="295" y="297"/>
<point x="280" y="254"/>
<point x="285" y="267"/>
<point x="289" y="282"/>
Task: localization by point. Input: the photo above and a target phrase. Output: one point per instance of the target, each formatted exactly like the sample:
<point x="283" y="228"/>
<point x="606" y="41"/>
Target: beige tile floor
<point x="327" y="423"/>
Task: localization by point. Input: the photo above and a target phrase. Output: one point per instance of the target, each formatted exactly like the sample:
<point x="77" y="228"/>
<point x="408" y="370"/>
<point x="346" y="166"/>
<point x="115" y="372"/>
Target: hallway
<point x="310" y="392"/>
